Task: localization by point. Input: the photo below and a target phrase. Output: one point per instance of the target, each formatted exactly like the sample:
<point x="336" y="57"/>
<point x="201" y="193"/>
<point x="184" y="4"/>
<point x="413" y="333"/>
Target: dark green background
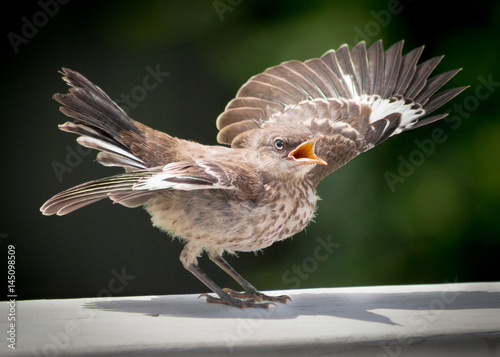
<point x="441" y="224"/>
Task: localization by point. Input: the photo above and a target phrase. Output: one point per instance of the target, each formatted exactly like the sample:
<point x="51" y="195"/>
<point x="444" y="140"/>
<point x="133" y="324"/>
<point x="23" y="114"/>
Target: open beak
<point x="304" y="153"/>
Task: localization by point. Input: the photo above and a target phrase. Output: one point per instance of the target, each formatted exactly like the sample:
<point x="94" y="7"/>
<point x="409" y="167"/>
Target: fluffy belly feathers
<point x="247" y="226"/>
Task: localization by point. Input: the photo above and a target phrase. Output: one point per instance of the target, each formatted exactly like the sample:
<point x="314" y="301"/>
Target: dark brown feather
<point x="407" y="70"/>
<point x="376" y="63"/>
<point x="361" y="67"/>
<point x="345" y="63"/>
<point x="392" y="65"/>
<point x="422" y="72"/>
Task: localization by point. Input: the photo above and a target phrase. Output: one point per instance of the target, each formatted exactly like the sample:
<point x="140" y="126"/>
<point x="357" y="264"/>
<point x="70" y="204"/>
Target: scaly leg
<point x="250" y="291"/>
<point x="224" y="298"/>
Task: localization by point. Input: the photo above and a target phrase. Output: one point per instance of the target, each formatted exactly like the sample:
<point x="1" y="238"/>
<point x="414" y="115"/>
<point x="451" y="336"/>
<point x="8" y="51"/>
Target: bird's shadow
<point x="357" y="306"/>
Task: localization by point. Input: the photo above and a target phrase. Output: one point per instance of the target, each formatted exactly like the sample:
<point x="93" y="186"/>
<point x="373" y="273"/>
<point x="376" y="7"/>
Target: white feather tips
<point x="185" y="176"/>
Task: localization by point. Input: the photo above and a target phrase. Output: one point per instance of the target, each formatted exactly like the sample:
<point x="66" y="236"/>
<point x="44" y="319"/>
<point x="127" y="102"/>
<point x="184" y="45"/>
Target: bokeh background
<point x="440" y="221"/>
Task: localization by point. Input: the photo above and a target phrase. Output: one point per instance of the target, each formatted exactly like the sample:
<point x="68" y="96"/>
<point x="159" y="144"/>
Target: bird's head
<point x="289" y="152"/>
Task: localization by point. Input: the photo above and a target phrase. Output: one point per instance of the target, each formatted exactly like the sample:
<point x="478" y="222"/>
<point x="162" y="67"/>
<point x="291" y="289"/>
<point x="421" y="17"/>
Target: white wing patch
<point x="383" y="107"/>
<point x="185" y="176"/>
<point x="158" y="181"/>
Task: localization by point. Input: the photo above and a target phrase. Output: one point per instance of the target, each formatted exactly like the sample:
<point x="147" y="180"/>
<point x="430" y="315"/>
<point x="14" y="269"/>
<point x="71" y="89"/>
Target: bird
<point x="286" y="129"/>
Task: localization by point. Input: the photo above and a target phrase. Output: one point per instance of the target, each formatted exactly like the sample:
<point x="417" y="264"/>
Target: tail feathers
<point x="104" y="126"/>
<point x="88" y="104"/>
<point x="119" y="188"/>
<point x="112" y="153"/>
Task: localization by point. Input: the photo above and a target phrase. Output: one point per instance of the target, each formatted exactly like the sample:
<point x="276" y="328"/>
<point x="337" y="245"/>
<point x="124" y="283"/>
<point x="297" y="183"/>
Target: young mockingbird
<point x="287" y="128"/>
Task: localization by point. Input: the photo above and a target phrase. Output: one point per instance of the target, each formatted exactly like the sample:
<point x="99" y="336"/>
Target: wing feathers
<point x="268" y="107"/>
<point x="387" y="82"/>
<point x="407" y="69"/>
<point x="433" y="85"/>
<point x="376" y="64"/>
<point x="361" y="66"/>
<point x="268" y="92"/>
<point x="419" y="80"/>
<point x="136" y="188"/>
<point x="392" y="64"/>
<point x="438" y="100"/>
<point x="335" y="87"/>
<point x="90" y="192"/>
<point x="347" y="69"/>
<point x="355" y="99"/>
<point x="235" y="115"/>
<point x="230" y="132"/>
<point x="313" y="85"/>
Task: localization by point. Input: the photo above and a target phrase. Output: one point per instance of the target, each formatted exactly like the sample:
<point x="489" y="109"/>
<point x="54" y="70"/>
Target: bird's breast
<point x="298" y="211"/>
<point x="216" y="221"/>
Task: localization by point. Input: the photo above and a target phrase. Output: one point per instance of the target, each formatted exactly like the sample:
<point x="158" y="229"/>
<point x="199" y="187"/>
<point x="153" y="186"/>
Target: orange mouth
<point x="304" y="153"/>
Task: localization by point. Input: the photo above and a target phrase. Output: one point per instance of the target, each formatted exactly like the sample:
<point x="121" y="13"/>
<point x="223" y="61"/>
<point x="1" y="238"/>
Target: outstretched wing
<point x="135" y="188"/>
<point x="356" y="99"/>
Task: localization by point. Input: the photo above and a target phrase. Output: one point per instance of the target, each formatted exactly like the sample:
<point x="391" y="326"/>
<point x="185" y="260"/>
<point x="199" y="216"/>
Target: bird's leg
<point x="224" y="298"/>
<point x="250" y="291"/>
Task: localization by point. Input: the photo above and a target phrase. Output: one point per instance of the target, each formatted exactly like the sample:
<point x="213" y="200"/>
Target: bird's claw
<point x="257" y="296"/>
<point x="236" y="302"/>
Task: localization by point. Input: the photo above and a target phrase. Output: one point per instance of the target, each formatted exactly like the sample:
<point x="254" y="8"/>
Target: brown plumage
<point x="288" y="128"/>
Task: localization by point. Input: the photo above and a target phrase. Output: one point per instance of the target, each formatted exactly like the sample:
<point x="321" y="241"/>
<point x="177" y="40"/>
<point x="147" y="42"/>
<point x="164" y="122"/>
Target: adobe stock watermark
<point x="116" y="284"/>
<point x="11" y="297"/>
<point x="63" y="337"/>
<point x="425" y="316"/>
<point x="139" y="93"/>
<point x="246" y="327"/>
<point x="31" y="26"/>
<point x="381" y="19"/>
<point x="223" y="6"/>
<point x="426" y="147"/>
<point x="74" y="157"/>
<point x="298" y="273"/>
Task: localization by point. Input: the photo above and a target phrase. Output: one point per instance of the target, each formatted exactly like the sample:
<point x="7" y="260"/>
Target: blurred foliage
<point x="441" y="223"/>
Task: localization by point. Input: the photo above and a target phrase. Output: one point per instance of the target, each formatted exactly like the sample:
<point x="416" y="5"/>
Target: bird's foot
<point x="232" y="301"/>
<point x="256" y="296"/>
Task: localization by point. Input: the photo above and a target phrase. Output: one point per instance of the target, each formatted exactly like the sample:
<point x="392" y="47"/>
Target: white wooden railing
<point x="449" y="319"/>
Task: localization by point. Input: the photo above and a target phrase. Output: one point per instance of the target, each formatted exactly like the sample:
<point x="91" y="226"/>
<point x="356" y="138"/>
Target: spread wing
<point x="135" y="188"/>
<point x="356" y="99"/>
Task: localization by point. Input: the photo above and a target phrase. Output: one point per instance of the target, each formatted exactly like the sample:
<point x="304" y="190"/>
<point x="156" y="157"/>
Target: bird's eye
<point x="279" y="144"/>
